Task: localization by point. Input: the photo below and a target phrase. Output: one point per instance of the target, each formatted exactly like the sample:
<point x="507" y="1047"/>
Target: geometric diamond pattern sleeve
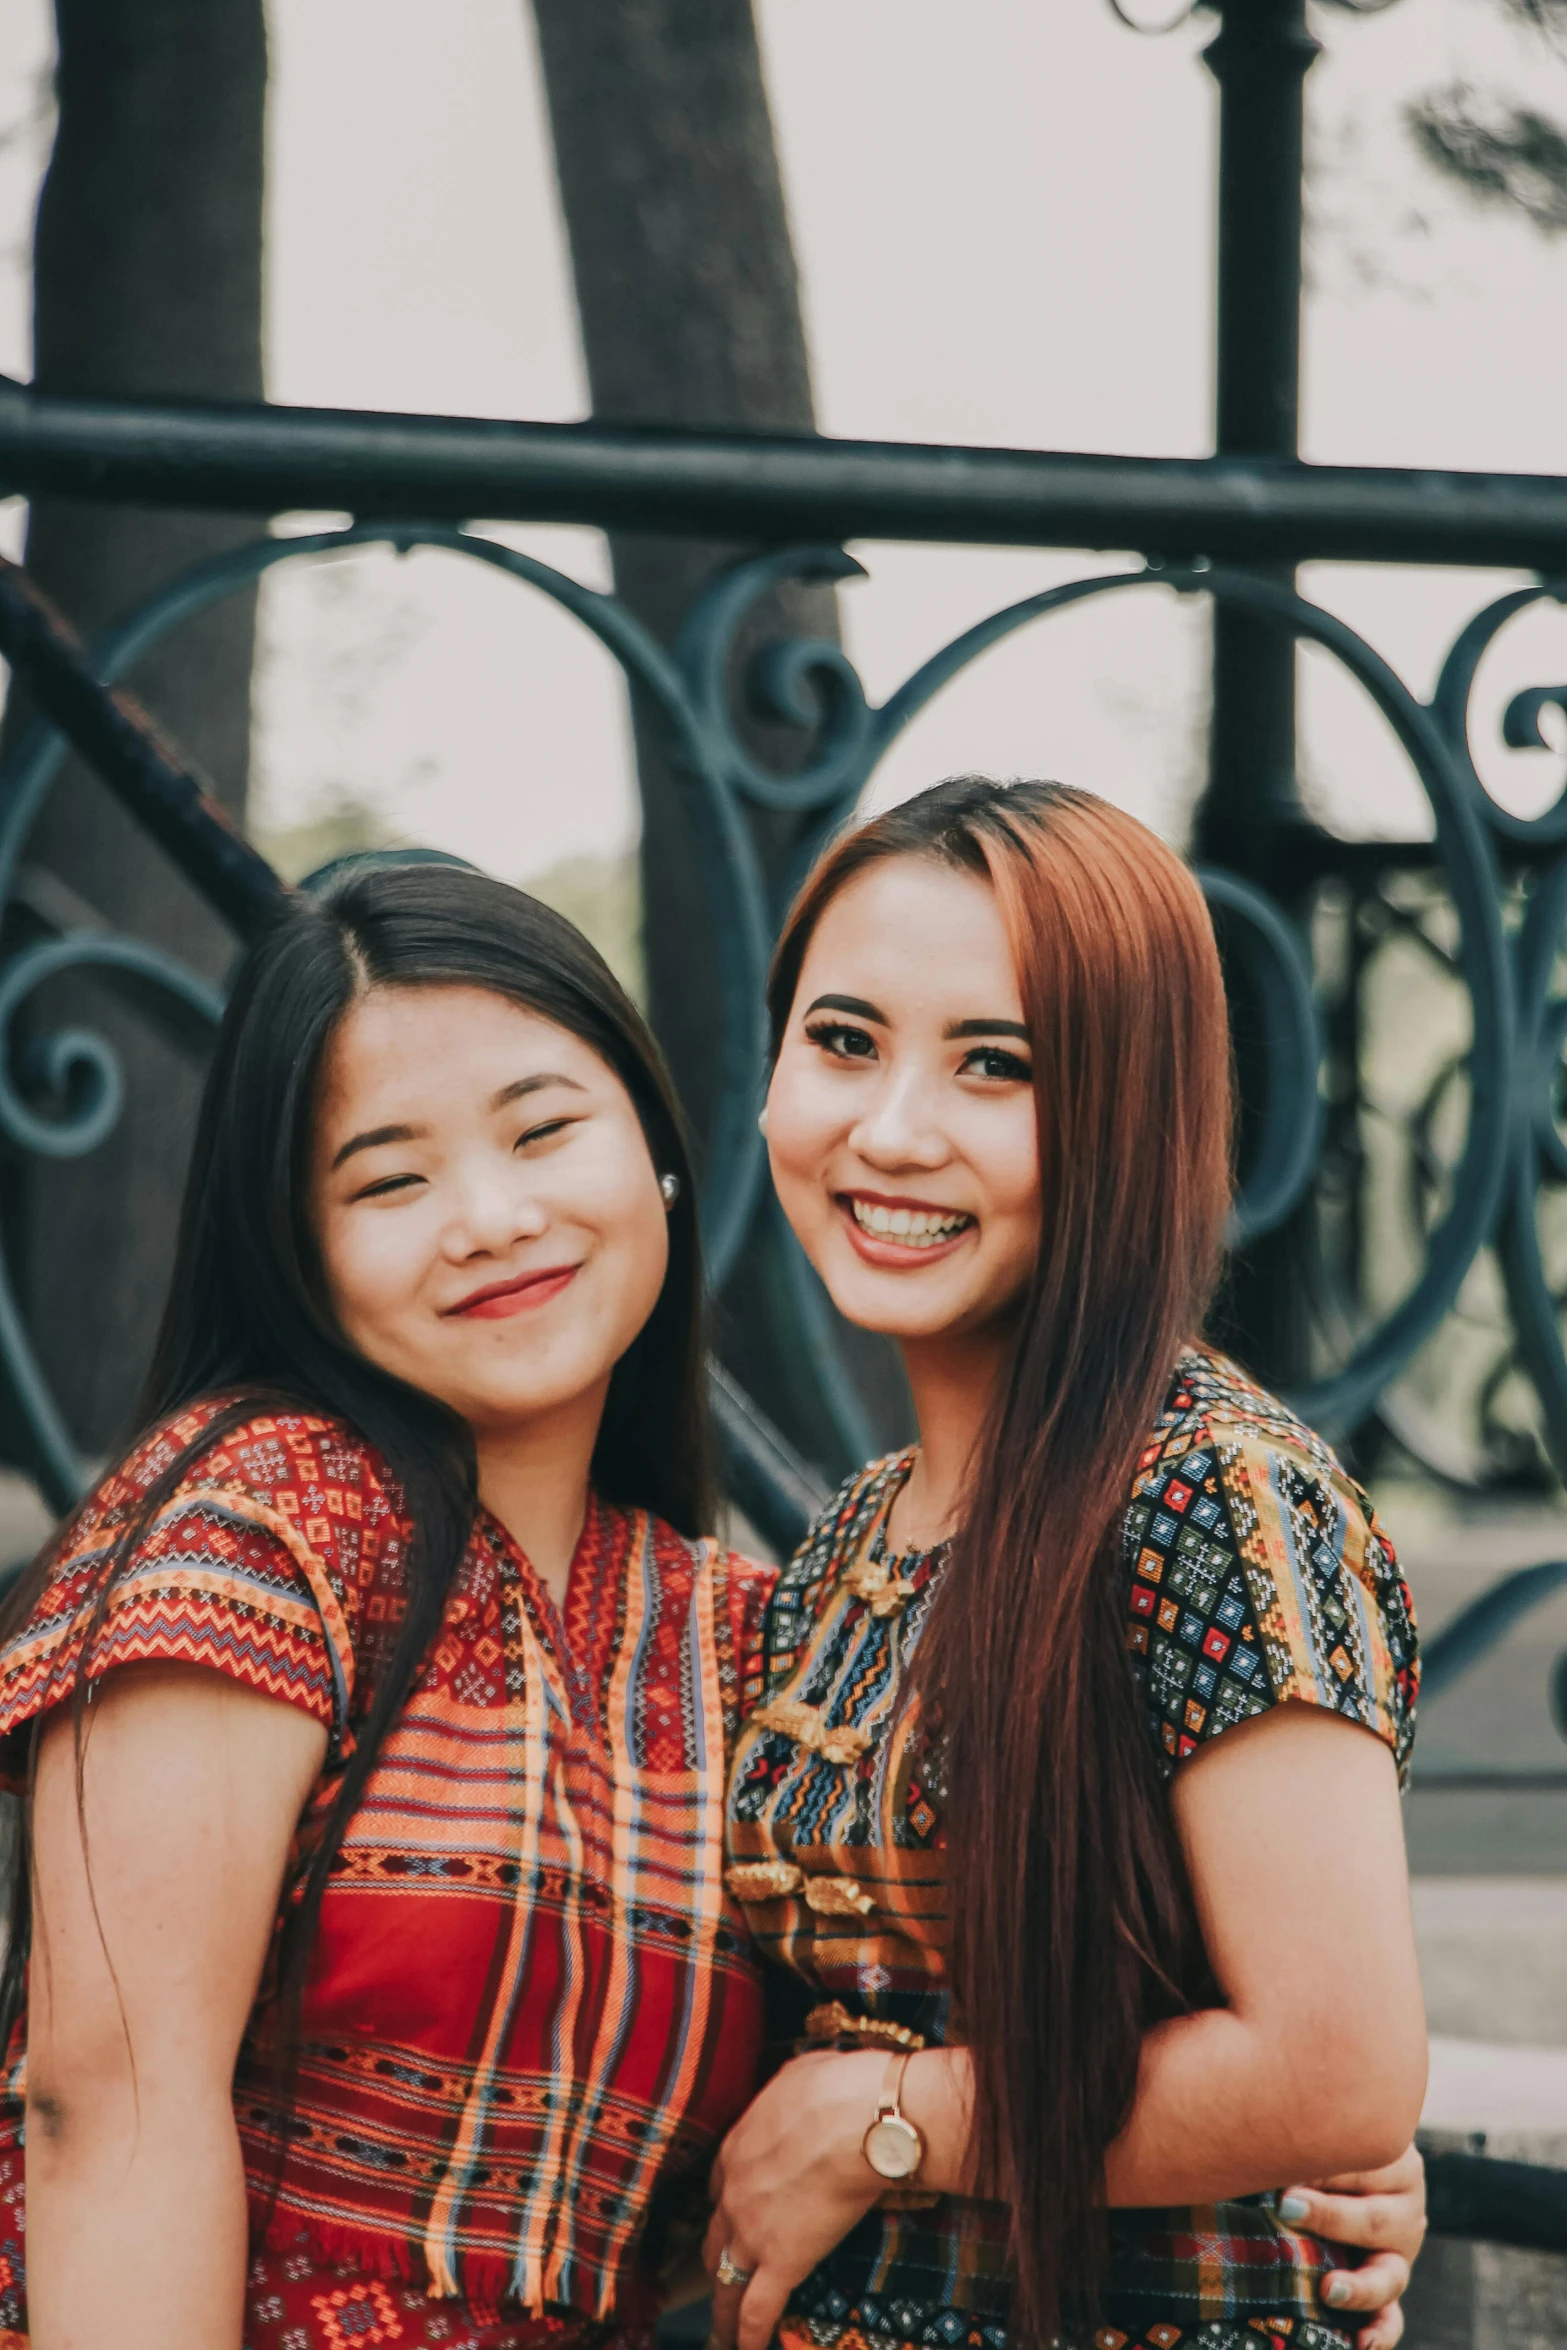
<point x="254" y="1568"/>
<point x="1257" y="1573"/>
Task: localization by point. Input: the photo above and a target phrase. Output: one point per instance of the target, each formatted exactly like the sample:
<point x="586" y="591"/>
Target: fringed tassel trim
<point x="482" y="2280"/>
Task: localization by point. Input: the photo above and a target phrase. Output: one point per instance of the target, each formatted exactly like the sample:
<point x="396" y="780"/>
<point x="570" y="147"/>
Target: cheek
<point x="642" y="1256"/>
<point x="1011" y="1167"/>
<point x="372" y="1266"/>
<point x="618" y="1199"/>
<point x="804" y="1119"/>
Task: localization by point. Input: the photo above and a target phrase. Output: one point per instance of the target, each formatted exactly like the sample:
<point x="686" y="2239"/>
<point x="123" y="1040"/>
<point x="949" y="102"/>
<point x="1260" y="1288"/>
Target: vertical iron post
<point x="1260" y="58"/>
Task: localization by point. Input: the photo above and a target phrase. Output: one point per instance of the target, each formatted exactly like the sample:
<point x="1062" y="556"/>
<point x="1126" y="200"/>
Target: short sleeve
<point x="1259" y="1575"/>
<point x="237" y="1572"/>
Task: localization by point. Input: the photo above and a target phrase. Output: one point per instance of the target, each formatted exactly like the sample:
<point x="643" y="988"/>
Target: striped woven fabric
<point x="533" y="2008"/>
<point x="1255" y="1572"/>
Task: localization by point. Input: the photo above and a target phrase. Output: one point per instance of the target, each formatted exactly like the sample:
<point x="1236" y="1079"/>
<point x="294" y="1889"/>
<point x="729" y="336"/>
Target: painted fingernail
<point x="1293" y="2207"/>
<point x="1337" y="2289"/>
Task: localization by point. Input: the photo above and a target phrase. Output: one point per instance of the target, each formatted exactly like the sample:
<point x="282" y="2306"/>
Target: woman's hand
<point x="789" y="2183"/>
<point x="1385" y="2212"/>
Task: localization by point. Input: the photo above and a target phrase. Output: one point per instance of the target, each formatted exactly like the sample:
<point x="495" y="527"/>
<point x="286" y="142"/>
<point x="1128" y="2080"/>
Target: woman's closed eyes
<point x="385" y="1185"/>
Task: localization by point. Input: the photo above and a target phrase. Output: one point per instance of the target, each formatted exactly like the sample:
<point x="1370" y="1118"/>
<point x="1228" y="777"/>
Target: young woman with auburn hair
<point x="383" y="1984"/>
<point x="1071" y="1804"/>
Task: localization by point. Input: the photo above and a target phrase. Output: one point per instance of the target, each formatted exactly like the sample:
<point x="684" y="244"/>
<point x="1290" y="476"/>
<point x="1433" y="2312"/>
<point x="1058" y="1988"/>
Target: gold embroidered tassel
<point x="832" y="2021"/>
<point x="793" y="1718"/>
<point x="763" y="1880"/>
<point x="873" y="1581"/>
<point x="837" y="1897"/>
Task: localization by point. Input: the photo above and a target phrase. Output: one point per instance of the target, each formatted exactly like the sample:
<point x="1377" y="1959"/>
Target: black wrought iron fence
<point x="1501" y="882"/>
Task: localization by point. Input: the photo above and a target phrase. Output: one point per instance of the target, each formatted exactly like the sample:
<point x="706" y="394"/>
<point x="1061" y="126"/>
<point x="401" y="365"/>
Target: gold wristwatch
<point x="892" y="2145"/>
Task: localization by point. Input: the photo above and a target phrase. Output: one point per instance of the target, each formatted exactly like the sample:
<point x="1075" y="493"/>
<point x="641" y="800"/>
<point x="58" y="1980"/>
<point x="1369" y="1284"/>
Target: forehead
<point x="402" y="1051"/>
<point x="911" y="935"/>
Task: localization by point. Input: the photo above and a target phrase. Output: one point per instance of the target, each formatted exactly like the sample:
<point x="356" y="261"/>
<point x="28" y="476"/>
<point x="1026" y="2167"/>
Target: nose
<point x="898" y="1126"/>
<point x="493" y="1206"/>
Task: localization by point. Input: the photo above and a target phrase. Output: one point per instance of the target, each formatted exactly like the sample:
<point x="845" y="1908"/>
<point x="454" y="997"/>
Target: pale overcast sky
<point x="1004" y="221"/>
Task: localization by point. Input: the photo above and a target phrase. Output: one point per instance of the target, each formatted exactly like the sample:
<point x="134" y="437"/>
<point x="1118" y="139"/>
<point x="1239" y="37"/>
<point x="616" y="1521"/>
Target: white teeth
<point x="916" y="1227"/>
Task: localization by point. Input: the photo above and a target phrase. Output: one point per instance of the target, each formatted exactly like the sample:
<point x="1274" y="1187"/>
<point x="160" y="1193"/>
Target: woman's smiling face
<point x="485" y="1205"/>
<point x="900" y="1119"/>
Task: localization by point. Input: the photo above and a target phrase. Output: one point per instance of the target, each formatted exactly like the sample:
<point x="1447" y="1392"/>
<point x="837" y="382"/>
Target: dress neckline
<point x="579" y="1629"/>
<point x="877" y="1544"/>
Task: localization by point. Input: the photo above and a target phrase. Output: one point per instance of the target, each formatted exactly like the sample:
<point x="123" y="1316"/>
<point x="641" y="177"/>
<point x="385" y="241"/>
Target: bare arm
<point x="1291" y="1830"/>
<point x="1315" y="2066"/>
<point x="1317" y="2063"/>
<point x="136" y="2220"/>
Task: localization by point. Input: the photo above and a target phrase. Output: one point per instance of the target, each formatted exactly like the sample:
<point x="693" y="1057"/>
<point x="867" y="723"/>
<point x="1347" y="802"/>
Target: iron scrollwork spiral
<point x="1537" y="1150"/>
<point x="816" y="687"/>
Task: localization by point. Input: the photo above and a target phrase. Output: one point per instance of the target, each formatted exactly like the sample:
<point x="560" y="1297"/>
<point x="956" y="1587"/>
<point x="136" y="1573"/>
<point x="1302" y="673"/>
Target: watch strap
<point x="889" y="2105"/>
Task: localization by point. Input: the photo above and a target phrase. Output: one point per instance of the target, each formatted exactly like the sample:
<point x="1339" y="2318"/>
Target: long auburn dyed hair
<point x="1071" y="1923"/>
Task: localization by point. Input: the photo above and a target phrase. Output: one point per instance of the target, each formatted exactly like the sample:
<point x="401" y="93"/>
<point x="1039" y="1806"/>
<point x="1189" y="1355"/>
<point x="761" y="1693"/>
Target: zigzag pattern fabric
<point x="1255" y="1573"/>
<point x="533" y="2009"/>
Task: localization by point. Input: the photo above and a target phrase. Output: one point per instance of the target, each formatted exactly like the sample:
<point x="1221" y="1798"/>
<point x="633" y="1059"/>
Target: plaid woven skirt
<point x="295" y="2300"/>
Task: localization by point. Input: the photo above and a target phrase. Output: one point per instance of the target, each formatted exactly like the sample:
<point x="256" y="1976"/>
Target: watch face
<point x="894" y="2149"/>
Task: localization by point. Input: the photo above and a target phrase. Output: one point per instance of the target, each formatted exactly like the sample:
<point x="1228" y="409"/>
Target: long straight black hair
<point x="248" y="1321"/>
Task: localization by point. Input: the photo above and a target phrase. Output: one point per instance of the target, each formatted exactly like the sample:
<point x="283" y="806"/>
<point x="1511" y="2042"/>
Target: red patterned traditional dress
<point x="532" y="2007"/>
<point x="1254" y="1573"/>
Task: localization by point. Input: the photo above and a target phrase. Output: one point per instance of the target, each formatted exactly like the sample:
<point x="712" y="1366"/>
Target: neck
<point x="952" y="1381"/>
<point x="534" y="1477"/>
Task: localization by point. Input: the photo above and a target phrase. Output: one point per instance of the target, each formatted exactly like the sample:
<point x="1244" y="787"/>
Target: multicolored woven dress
<point x="532" y="2009"/>
<point x="1255" y="1572"/>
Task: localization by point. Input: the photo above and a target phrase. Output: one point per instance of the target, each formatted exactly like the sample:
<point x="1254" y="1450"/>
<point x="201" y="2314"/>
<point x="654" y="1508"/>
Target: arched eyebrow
<point x="848" y="1003"/>
<point x="375" y="1136"/>
<point x="985" y="1028"/>
<point x="526" y="1085"/>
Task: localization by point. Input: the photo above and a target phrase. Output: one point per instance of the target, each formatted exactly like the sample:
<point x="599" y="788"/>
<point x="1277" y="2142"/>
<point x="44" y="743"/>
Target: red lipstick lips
<point x="502" y="1298"/>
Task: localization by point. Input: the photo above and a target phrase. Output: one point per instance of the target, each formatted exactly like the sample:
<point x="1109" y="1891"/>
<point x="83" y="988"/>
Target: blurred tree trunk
<point x="690" y="312"/>
<point x="147" y="281"/>
<point x="689" y="303"/>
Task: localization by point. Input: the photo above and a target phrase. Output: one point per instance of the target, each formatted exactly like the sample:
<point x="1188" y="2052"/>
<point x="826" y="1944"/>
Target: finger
<point x="765" y="2299"/>
<point x="1394" y="2178"/>
<point x="715" y="2239"/>
<point x="1373" y="2287"/>
<point x="1384" y="2331"/>
<point x="726" y="2314"/>
<point x="1367" y="2221"/>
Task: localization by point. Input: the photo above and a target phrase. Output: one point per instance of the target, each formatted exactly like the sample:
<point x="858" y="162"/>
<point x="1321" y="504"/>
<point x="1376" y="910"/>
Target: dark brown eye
<point x="1004" y="1068"/>
<point x="843" y="1042"/>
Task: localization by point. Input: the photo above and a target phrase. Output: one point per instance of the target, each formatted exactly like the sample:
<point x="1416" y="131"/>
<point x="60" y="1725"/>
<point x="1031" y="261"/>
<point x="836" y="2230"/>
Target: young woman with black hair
<point x="1071" y="1804"/>
<point x="382" y="1981"/>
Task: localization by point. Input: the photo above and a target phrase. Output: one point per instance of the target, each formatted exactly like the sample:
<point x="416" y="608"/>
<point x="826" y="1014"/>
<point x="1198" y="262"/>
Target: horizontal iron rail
<point x="1484" y="1623"/>
<point x="264" y="459"/>
<point x="1495" y="2202"/>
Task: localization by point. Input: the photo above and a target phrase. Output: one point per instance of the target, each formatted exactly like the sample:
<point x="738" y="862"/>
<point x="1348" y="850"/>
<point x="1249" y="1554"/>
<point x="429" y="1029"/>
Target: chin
<point x="493" y="1413"/>
<point x="895" y="1305"/>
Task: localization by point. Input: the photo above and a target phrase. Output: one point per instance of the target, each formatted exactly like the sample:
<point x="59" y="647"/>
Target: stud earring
<point x="668" y="1190"/>
<point x="761" y="1124"/>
